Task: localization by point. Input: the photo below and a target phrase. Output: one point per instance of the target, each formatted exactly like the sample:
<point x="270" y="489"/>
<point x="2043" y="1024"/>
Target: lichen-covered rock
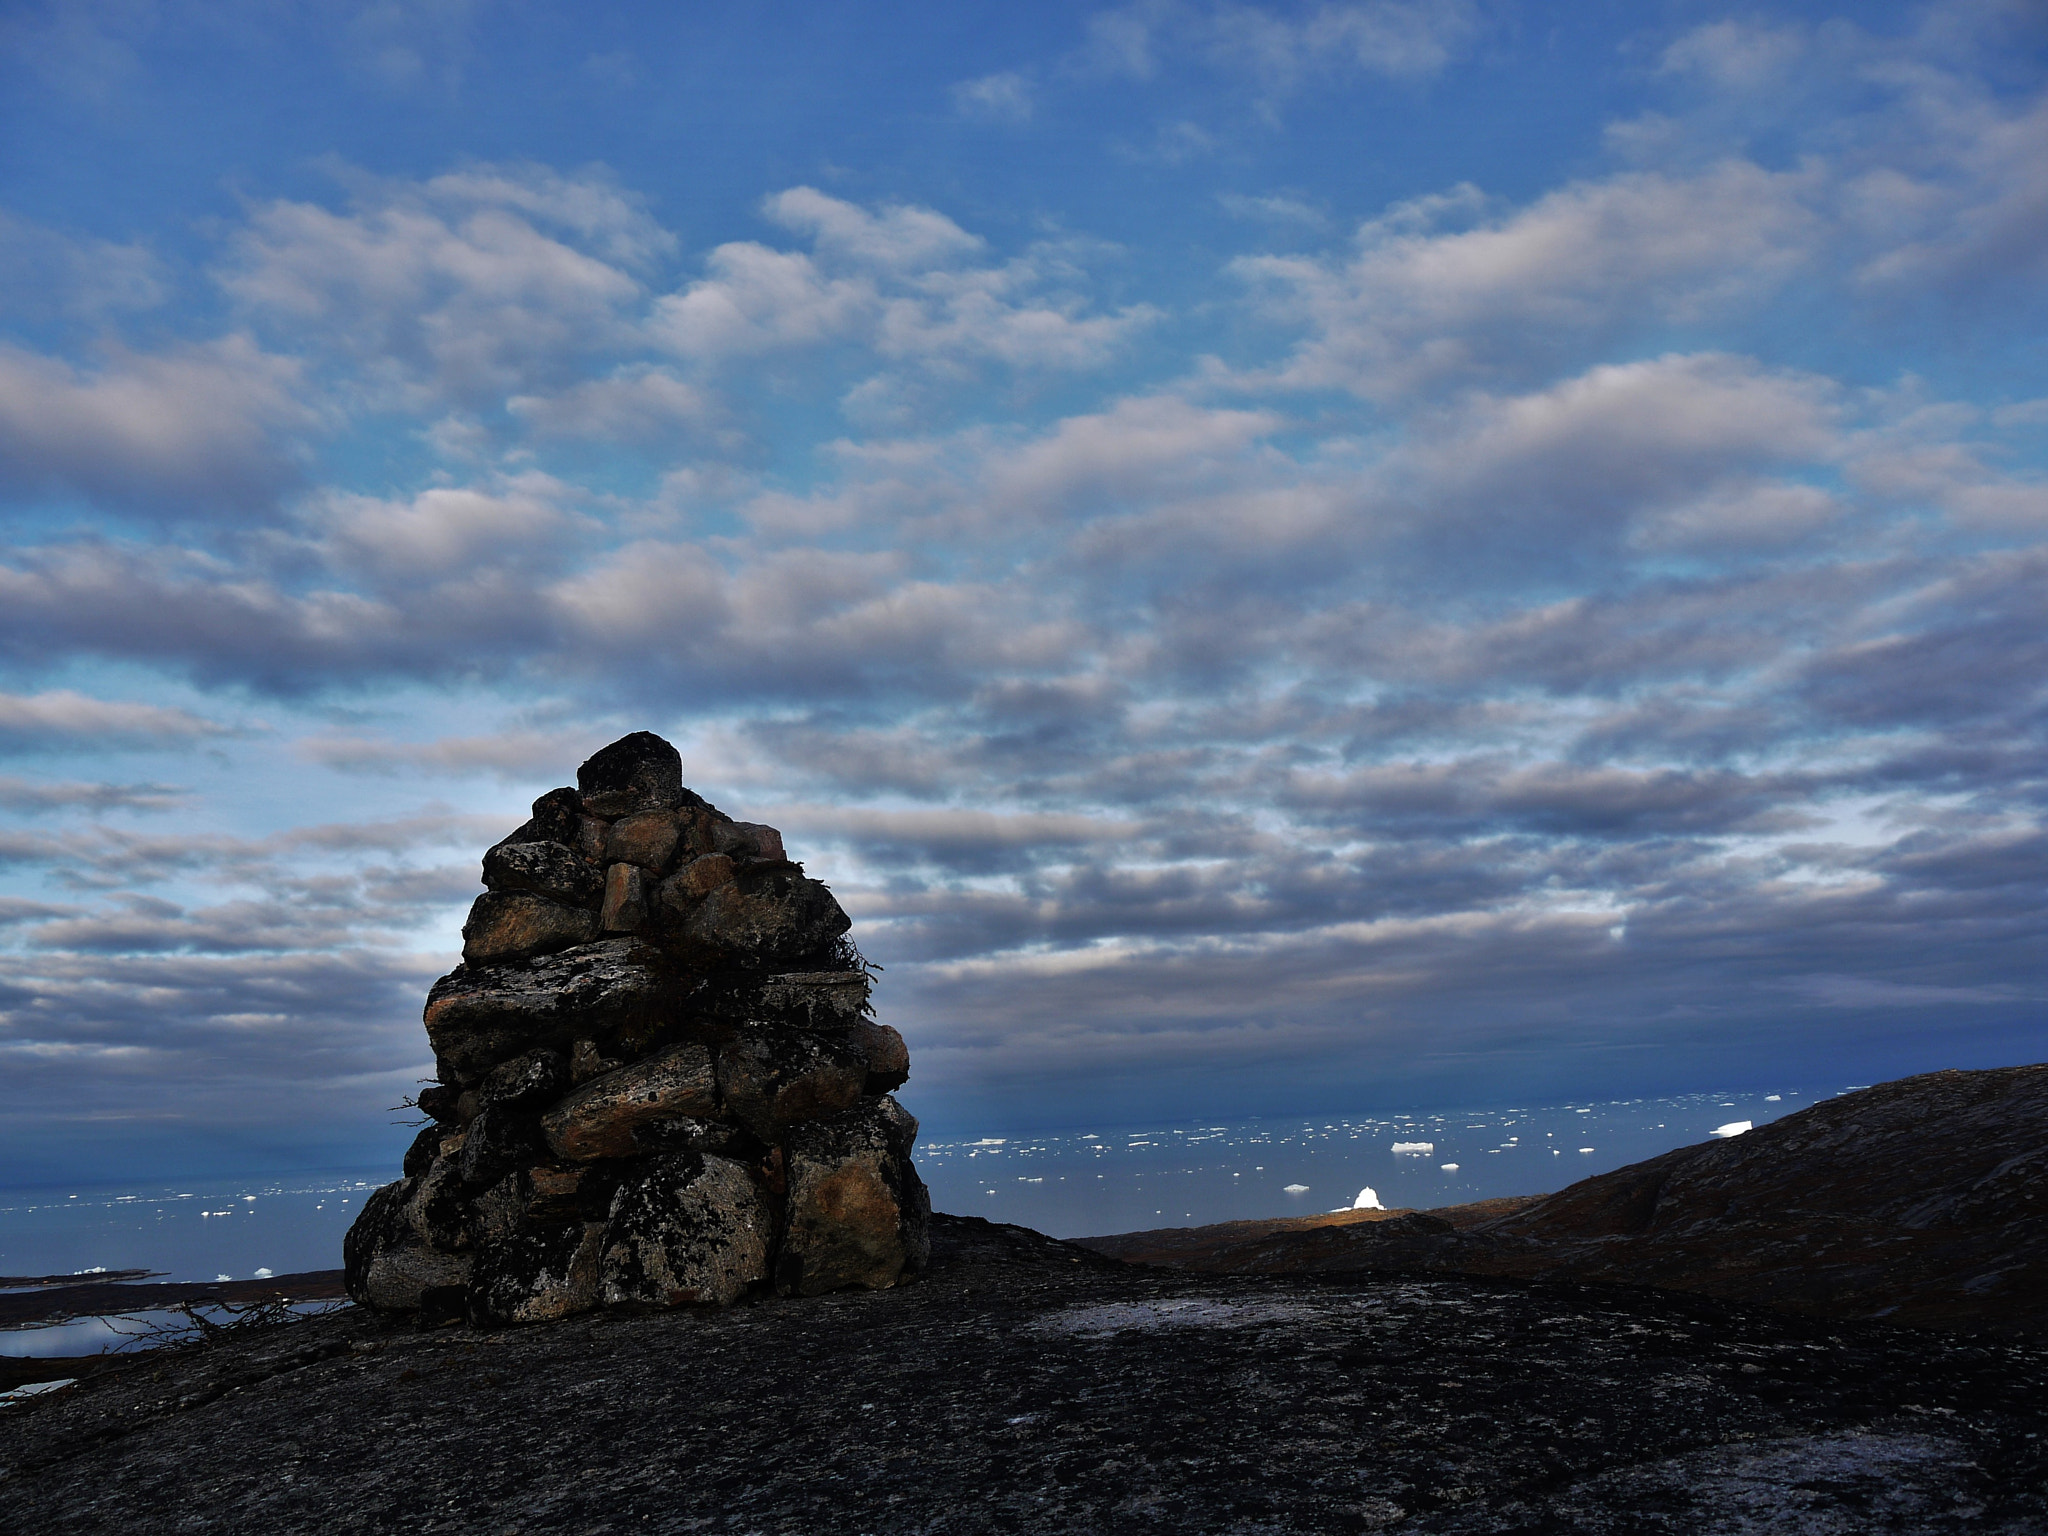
<point x="386" y="1265"/>
<point x="479" y="1016"/>
<point x="501" y="1138"/>
<point x="693" y="1228"/>
<point x="546" y="869"/>
<point x="647" y="840"/>
<point x="766" y="915"/>
<point x="556" y="816"/>
<point x="640" y="772"/>
<point x="858" y="1215"/>
<point x="887" y="1057"/>
<point x="746" y="839"/>
<point x="513" y="925"/>
<point x="772" y="1078"/>
<point x="625" y="899"/>
<point x="823" y="1001"/>
<point x="535" y="1274"/>
<point x="533" y="1078"/>
<point x="600" y="1118"/>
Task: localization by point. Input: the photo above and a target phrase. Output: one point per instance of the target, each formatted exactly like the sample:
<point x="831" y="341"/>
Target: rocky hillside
<point x="1025" y="1385"/>
<point x="1918" y="1201"/>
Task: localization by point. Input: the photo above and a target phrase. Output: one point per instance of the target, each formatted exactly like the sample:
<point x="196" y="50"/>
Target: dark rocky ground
<point x="1027" y="1385"/>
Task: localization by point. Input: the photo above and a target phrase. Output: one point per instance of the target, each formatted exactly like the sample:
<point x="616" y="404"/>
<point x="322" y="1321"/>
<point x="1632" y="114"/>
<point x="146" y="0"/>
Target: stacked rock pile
<point x="659" y="1081"/>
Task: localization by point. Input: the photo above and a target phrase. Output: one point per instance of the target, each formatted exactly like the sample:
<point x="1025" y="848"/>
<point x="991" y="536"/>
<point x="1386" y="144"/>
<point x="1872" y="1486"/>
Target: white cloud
<point x="637" y="404"/>
<point x="902" y="281"/>
<point x="1418" y="305"/>
<point x="471" y="285"/>
<point x="64" y="718"/>
<point x="160" y="432"/>
<point x="1006" y="97"/>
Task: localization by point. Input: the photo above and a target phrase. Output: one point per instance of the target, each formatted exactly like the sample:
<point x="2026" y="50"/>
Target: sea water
<point x="1074" y="1184"/>
<point x="193" y="1229"/>
<point x="1127" y="1179"/>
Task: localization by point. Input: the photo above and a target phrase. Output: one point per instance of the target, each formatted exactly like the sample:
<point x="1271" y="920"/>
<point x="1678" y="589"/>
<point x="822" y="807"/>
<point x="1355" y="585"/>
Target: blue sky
<point x="1280" y="558"/>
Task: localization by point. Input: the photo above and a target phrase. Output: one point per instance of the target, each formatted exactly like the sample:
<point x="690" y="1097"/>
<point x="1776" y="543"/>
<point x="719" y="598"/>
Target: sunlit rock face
<point x="660" y="1082"/>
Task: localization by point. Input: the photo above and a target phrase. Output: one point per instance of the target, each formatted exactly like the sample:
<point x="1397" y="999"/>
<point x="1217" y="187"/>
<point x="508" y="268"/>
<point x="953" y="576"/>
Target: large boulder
<point x="547" y="869"/>
<point x="640" y="772"/>
<point x="693" y="1228"/>
<point x="479" y="1016"/>
<point x="601" y="1118"/>
<point x="858" y="1214"/>
<point x="773" y="1078"/>
<point x="513" y="925"/>
<point x="768" y="914"/>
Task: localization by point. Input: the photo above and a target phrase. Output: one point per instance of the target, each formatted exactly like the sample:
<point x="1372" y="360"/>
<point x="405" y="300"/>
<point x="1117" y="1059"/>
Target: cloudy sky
<point x="1280" y="557"/>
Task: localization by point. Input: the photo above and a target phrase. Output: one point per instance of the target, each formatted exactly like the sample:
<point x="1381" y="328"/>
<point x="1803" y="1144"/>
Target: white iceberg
<point x="1368" y="1200"/>
<point x="1417" y="1148"/>
<point x="1734" y="1128"/>
<point x="1448" y="1167"/>
<point x="1297" y="1189"/>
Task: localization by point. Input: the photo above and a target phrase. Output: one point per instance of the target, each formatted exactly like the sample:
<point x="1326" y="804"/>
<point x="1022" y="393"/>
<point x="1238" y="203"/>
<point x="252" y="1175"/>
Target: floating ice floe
<point x="1297" y="1189"/>
<point x="1448" y="1167"/>
<point x="1585" y="1149"/>
<point x="1368" y="1200"/>
<point x="1734" y="1128"/>
<point x="264" y="1274"/>
<point x="1416" y="1148"/>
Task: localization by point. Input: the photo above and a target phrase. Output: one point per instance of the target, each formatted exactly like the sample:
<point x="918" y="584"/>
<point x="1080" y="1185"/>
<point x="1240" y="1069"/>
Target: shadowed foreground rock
<point x="1027" y="1385"/>
<point x="658" y="1083"/>
<point x="1919" y="1201"/>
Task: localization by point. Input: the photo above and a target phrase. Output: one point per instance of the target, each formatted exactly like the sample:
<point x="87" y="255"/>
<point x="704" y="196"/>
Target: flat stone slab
<point x="1024" y="1385"/>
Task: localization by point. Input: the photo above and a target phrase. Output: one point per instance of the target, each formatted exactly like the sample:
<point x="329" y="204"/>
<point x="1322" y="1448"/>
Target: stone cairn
<point x="659" y="1081"/>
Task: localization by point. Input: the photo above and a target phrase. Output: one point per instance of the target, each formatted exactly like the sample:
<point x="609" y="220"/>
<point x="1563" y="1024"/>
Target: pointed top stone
<point x="640" y="772"/>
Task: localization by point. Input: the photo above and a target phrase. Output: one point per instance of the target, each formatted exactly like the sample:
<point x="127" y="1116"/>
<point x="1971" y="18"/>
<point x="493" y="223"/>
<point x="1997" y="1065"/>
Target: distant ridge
<point x="1921" y="1201"/>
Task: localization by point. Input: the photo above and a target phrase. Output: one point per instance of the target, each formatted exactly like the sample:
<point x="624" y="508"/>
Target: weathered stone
<point x="625" y="899"/>
<point x="691" y="1229"/>
<point x="585" y="1062"/>
<point x="648" y="840"/>
<point x="385" y="1265"/>
<point x="684" y="1134"/>
<point x="640" y="772"/>
<point x="888" y="1058"/>
<point x="858" y="1215"/>
<point x="553" y="821"/>
<point x="477" y="1017"/>
<point x="500" y="1211"/>
<point x="422" y="1280"/>
<point x="552" y="1192"/>
<point x="818" y="1000"/>
<point x="683" y="890"/>
<point x="536" y="1274"/>
<point x="546" y="869"/>
<point x="511" y="925"/>
<point x="378" y="1226"/>
<point x="746" y="840"/>
<point x="592" y="833"/>
<point x="435" y="1209"/>
<point x="771" y="1078"/>
<point x="426" y="1146"/>
<point x="526" y="1081"/>
<point x="599" y="1119"/>
<point x="501" y="1138"/>
<point x="440" y="1101"/>
<point x="768" y="915"/>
